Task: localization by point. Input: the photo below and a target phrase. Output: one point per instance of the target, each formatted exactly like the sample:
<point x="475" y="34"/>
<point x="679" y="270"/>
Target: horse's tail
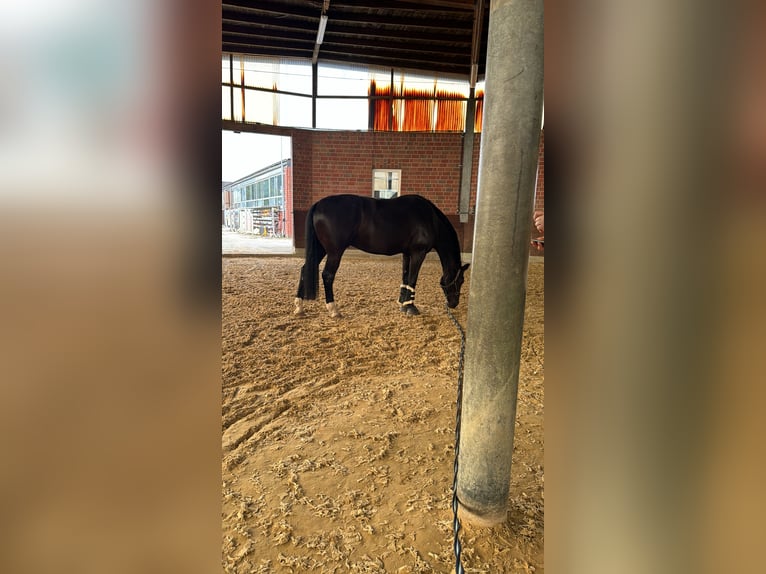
<point x="313" y="257"/>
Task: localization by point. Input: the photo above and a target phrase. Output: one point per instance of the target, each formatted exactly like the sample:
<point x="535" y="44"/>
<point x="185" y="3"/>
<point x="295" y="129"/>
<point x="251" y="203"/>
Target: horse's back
<point x="398" y="225"/>
<point x="382" y="226"/>
<point x="404" y="204"/>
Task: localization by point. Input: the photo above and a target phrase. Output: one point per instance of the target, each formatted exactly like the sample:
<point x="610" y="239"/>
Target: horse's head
<point x="451" y="286"/>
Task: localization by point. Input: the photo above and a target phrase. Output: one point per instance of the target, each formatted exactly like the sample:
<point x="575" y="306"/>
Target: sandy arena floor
<point x="338" y="433"/>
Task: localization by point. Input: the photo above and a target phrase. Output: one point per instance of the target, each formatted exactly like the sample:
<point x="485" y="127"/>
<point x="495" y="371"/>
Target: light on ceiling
<point x="322" y="26"/>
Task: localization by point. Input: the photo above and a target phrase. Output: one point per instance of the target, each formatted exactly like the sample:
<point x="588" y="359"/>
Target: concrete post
<point x="507" y="164"/>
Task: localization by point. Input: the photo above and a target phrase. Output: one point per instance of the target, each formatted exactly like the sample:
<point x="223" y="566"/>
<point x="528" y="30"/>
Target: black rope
<point x="456" y="521"/>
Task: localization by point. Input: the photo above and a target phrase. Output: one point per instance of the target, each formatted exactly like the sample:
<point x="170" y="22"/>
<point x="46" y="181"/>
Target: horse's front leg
<point x="328" y="278"/>
<point x="407" y="295"/>
<point x="404" y="293"/>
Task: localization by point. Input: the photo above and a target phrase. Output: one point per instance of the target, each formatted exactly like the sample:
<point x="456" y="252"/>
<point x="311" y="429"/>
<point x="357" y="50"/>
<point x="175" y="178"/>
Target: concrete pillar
<point x="507" y="167"/>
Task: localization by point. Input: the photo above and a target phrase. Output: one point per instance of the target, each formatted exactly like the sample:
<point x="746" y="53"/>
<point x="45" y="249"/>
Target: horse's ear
<point x="465" y="267"/>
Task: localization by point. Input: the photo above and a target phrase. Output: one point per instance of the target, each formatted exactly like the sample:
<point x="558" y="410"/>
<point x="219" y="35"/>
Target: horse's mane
<point x="447" y="234"/>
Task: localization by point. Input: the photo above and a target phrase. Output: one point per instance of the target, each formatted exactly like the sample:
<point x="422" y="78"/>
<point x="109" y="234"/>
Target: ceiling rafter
<point x="448" y="44"/>
<point x="446" y="36"/>
<point x="426" y="5"/>
<point x="285" y="9"/>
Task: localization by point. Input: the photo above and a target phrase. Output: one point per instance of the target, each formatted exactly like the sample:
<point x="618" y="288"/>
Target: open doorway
<point x="256" y="193"/>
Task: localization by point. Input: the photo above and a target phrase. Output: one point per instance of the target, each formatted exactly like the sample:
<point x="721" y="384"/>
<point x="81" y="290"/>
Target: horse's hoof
<point x="410" y="310"/>
<point x="334" y="312"/>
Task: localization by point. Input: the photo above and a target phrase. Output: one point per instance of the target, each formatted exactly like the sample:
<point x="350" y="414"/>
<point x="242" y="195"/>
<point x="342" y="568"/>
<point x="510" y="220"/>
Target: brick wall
<point x="331" y="162"/>
<point x="327" y="163"/>
<point x="288" y="187"/>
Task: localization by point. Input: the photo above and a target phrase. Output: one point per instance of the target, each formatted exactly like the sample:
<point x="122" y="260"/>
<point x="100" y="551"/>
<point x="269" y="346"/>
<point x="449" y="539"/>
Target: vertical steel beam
<point x="231" y="84"/>
<point x="391" y="104"/>
<point x="314" y="85"/>
<point x="242" y="80"/>
<point x="467" y="165"/>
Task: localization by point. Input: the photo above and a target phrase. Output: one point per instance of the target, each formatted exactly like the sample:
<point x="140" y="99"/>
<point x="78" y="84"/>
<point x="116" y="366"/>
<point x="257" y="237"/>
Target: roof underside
<point x="428" y="35"/>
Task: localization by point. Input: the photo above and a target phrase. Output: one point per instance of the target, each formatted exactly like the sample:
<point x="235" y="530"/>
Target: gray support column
<point x="314" y="83"/>
<point x="391" y="104"/>
<point x="508" y="163"/>
<point x="231" y="85"/>
<point x="467" y="167"/>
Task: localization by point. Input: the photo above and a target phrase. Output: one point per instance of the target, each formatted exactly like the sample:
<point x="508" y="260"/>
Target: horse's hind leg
<point x="299" y="295"/>
<point x="328" y="278"/>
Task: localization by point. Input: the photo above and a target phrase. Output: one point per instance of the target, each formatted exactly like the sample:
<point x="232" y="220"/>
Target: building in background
<point x="225" y="200"/>
<point x="261" y="203"/>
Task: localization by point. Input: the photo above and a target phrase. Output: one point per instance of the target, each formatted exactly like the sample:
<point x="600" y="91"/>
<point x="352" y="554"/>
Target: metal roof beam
<point x="478" y="22"/>
<point x="426" y="5"/>
<point x="282" y="9"/>
<point x="408" y="21"/>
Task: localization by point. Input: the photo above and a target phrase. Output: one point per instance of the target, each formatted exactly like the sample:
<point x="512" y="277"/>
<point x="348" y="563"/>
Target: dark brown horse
<point x="409" y="224"/>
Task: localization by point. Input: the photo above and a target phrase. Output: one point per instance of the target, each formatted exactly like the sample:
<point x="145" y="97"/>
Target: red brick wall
<point x="331" y="162"/>
<point x="288" y="187"/>
<point x="302" y="145"/>
<point x="327" y="163"/>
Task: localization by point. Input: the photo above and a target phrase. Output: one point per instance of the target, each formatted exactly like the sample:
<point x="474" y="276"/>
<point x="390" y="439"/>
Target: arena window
<point x="386" y="183"/>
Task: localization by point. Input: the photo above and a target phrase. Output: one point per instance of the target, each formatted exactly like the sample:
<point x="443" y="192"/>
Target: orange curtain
<point x="381" y="108"/>
<point x="479" y="111"/>
<point x="418" y="114"/>
<point x="411" y="114"/>
<point x="451" y="115"/>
